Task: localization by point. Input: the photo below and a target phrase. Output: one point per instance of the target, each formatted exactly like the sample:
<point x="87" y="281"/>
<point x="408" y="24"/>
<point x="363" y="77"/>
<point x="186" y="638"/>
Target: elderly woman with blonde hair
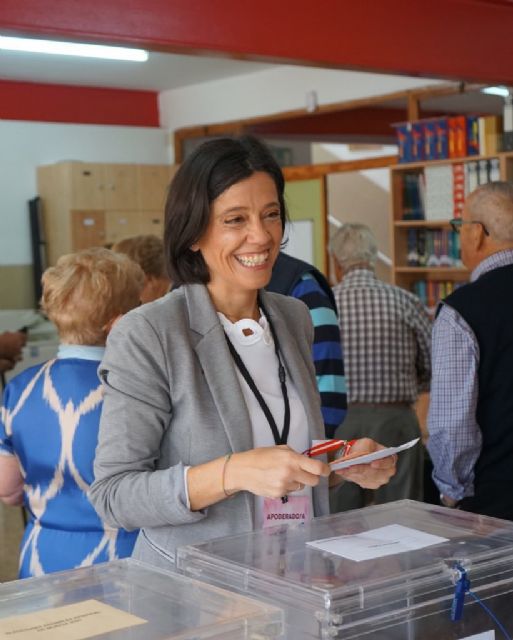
<point x="51" y="412"/>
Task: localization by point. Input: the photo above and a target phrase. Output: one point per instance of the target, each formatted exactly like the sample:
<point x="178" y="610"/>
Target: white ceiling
<point x="162" y="71"/>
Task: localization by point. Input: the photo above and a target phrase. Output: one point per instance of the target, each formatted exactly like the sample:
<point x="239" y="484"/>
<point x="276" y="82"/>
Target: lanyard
<point x="278" y="439"/>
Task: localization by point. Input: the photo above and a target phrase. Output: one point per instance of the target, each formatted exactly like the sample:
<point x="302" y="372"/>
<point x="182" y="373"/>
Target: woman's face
<point x="243" y="236"/>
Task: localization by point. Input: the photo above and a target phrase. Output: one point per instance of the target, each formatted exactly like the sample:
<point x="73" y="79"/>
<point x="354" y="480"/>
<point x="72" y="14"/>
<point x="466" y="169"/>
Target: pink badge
<point x="296" y="509"/>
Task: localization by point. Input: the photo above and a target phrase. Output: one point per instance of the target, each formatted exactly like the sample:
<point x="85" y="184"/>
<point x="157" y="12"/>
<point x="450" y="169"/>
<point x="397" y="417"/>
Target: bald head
<point x="492" y="204"/>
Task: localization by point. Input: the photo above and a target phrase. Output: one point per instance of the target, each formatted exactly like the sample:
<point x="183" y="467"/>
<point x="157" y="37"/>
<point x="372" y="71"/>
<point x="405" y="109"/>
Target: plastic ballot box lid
<point x="390" y="571"/>
<point x="128" y="599"/>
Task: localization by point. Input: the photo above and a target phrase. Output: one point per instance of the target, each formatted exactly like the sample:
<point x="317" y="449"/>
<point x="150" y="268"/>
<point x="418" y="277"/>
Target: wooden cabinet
<point x="91" y="204"/>
<point x="152" y="222"/>
<point x="120" y="187"/>
<point x="152" y="185"/>
<point x="122" y="224"/>
<point x="438" y="274"/>
<point x="87" y="229"/>
<point x="86" y="182"/>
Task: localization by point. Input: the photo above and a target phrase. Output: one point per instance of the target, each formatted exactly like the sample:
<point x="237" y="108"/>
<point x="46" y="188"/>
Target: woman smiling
<point x="210" y="392"/>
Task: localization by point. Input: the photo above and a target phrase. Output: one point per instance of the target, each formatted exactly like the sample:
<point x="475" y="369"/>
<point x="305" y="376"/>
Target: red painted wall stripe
<point x="458" y="39"/>
<point x="76" y="104"/>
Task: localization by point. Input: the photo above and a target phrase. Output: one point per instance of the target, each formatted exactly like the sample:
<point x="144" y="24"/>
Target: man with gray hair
<point x="385" y="333"/>
<point x="471" y="411"/>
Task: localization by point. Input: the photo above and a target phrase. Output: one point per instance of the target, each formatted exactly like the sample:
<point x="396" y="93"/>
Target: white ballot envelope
<point x="343" y="463"/>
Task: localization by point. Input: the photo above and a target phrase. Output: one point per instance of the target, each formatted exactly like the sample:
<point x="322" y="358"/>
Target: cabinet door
<point x="152" y="184"/>
<point x="152" y="222"/>
<point x="87" y="186"/>
<point x="121" y="224"/>
<point x="120" y="186"/>
<point x="87" y="229"/>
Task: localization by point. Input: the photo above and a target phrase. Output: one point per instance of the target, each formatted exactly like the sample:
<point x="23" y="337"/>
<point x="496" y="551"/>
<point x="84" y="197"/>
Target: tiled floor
<point x="11" y="529"/>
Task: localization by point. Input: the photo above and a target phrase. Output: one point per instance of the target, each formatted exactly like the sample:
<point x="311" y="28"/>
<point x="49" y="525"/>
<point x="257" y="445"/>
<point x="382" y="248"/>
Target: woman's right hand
<point x="272" y="472"/>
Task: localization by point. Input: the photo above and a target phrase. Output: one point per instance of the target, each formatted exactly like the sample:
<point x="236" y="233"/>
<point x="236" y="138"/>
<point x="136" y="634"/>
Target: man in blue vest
<point x="471" y="411"/>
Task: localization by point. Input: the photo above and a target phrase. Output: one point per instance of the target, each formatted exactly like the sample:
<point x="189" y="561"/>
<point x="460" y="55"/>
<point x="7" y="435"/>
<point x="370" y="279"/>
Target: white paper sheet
<point x="377" y="543"/>
<point x="369" y="457"/>
<point x="486" y="635"/>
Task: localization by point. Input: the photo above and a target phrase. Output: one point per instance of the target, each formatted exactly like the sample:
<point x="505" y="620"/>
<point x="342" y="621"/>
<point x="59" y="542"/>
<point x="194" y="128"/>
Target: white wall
<point x="272" y="91"/>
<point x="25" y="145"/>
<point x="360" y="196"/>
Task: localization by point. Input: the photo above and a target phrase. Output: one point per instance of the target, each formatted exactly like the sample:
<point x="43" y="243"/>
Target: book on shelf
<point x="404" y="141"/>
<point x="421" y="247"/>
<point x="472" y="135"/>
<point x="430" y="139"/>
<point x="412" y="257"/>
<point x="417" y="143"/>
<point x="447" y="259"/>
<point x="457" y="136"/>
<point x="458" y="189"/>
<point x="494" y="171"/>
<point x="490" y="130"/>
<point x="439" y="192"/>
<point x="432" y="249"/>
<point x="442" y="138"/>
<point x="413" y="196"/>
<point x="471" y="176"/>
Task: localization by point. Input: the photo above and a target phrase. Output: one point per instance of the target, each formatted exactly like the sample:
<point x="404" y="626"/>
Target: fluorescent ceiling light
<point x="72" y="49"/>
<point x="496" y="91"/>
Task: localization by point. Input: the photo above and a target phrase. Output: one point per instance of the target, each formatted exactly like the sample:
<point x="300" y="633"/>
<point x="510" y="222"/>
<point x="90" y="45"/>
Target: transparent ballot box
<point x="130" y="600"/>
<point x="387" y="572"/>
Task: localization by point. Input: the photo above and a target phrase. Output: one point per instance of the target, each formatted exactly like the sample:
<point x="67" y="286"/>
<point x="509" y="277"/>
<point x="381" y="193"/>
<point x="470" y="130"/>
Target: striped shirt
<point x="455" y="438"/>
<point x="386" y="335"/>
<point x="327" y="352"/>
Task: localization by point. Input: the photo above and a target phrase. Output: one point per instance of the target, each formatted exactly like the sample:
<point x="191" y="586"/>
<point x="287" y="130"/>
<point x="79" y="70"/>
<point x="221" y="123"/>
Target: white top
<point x="257" y="353"/>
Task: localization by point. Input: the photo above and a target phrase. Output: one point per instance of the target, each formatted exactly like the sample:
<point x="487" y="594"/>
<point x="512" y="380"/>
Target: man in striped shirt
<point x="303" y="281"/>
<point x="386" y="336"/>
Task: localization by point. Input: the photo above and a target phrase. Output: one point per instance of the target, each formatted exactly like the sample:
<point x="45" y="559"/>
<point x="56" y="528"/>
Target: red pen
<point x="329" y="445"/>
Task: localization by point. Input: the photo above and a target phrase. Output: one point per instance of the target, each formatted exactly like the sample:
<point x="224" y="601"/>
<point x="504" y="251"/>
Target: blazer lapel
<point x="217" y="365"/>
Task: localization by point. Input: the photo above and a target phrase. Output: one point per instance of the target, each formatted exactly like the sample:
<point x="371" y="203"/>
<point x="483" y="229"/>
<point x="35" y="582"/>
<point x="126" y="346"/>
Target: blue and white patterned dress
<point x="50" y="420"/>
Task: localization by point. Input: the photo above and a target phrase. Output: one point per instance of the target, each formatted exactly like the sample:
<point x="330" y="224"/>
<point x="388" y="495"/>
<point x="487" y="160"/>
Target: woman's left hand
<point x="371" y="475"/>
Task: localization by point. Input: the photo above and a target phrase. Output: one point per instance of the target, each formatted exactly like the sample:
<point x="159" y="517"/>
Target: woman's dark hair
<point x="214" y="166"/>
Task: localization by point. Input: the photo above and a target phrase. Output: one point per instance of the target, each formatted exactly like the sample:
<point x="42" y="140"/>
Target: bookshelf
<point x="439" y="276"/>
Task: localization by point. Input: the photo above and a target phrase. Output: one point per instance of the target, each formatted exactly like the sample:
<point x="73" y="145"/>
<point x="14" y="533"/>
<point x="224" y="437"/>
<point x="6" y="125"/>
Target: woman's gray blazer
<point x="173" y="398"/>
